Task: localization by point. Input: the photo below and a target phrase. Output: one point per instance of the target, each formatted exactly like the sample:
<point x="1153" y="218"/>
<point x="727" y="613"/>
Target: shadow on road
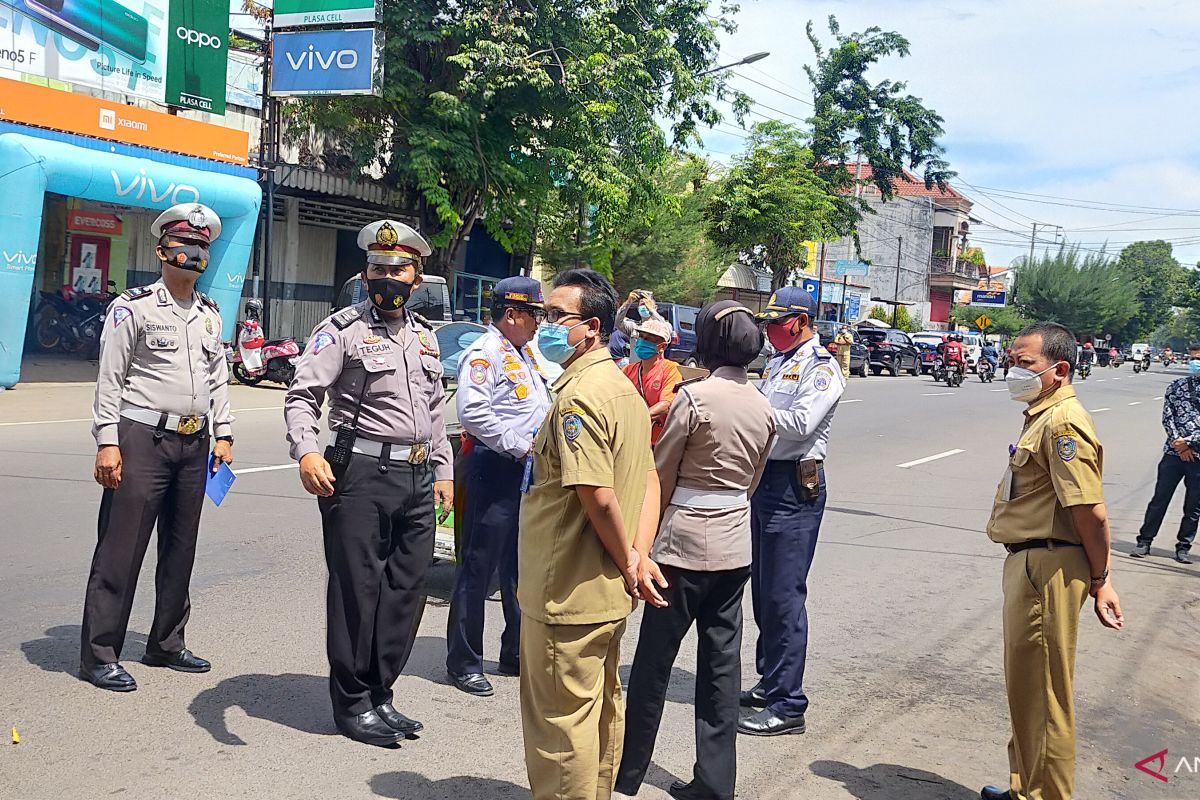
<point x="299" y="702"/>
<point x="58" y="650"/>
<point x="409" y="785"/>
<point x="892" y="781"/>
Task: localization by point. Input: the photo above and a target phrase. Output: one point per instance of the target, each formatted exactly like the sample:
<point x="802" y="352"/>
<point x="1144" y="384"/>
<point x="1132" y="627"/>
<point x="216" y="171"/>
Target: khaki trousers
<point x="1044" y="591"/>
<point x="571" y="708"/>
<point x="843" y="358"/>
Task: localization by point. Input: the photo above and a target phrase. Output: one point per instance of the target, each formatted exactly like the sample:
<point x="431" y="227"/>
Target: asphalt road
<point x="904" y="668"/>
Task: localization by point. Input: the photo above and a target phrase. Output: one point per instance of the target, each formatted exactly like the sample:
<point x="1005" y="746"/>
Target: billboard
<point x="326" y="62"/>
<point x="77" y="113"/>
<point x="244" y="80"/>
<point x="112" y="45"/>
<point x="299" y="13"/>
<point x="197" y="54"/>
<point x="846" y="267"/>
<point x="989" y="299"/>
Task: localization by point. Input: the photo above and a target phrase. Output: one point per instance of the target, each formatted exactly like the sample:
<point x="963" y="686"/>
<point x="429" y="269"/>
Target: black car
<point x="859" y="355"/>
<point x="892" y="350"/>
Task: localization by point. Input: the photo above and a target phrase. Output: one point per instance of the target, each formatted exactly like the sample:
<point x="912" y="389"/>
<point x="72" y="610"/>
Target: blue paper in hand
<point x="218" y="483"/>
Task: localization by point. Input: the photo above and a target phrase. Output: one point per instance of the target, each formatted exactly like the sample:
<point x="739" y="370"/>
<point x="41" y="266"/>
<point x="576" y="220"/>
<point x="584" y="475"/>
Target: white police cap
<point x="386" y="241"/>
<point x="195" y="220"/>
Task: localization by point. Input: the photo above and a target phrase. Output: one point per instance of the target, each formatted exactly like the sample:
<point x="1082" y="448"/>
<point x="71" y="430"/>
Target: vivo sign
<point x="140" y="187"/>
<point x="325" y="62"/>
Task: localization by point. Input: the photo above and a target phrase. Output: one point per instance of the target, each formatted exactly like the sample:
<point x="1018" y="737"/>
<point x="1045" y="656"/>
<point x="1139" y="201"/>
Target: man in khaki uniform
<point x="593" y="486"/>
<point x="843" y="340"/>
<point x="1049" y="514"/>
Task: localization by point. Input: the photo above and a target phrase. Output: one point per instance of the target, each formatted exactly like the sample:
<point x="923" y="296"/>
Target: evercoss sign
<point x="325" y="62"/>
<point x="198" y="38"/>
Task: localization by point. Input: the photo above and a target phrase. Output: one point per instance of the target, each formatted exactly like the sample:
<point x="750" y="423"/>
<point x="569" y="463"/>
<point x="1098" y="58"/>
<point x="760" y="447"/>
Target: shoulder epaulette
<point x="421" y="320"/>
<point x="689" y="382"/>
<point x="346" y="317"/>
<point x="208" y="301"/>
<point x="136" y="293"/>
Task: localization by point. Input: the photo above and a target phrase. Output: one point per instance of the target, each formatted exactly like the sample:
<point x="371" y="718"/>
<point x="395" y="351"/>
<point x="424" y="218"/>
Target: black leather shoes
<point x="755" y="698"/>
<point x="1182" y="557"/>
<point x="369" y="728"/>
<point x="1139" y="551"/>
<point x="475" y="683"/>
<point x="183" y="661"/>
<point x="112" y="677"/>
<point x="768" y="723"/>
<point x="509" y="670"/>
<point x="397" y="721"/>
<point x="689" y="791"/>
<point x="995" y="793"/>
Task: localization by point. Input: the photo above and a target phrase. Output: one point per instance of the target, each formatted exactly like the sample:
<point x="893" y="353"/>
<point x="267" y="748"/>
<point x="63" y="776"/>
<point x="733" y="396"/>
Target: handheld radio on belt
<point x="343" y="444"/>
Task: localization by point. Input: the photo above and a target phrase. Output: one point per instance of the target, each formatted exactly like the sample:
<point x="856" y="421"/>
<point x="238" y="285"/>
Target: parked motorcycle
<point x="256" y="359"/>
<point x="72" y="322"/>
<point x="986" y="371"/>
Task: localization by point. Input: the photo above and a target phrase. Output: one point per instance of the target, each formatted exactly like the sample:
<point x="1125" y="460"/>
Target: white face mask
<point x="1023" y="384"/>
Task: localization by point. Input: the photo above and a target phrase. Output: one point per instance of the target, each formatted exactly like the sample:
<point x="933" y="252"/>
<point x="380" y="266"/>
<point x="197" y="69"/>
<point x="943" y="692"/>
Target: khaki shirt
<point x="1057" y="463"/>
<point x="717" y="437"/>
<point x="596" y="434"/>
<point x="402" y="403"/>
<point x="158" y="356"/>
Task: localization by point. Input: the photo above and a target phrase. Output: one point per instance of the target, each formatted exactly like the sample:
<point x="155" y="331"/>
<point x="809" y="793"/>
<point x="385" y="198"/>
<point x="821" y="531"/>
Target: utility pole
<point x="820" y="282"/>
<point x="896" y="297"/>
<point x="268" y="156"/>
<point x="1032" y="240"/>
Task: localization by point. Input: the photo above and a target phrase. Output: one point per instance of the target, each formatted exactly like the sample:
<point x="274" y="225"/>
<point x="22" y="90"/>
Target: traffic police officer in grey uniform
<point x="502" y="399"/>
<point x="385" y="469"/>
<point x="162" y="394"/>
<point x="803" y="384"/>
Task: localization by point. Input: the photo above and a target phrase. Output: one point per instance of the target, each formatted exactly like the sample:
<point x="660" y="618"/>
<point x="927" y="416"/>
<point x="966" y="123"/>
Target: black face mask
<point x="388" y="294"/>
<point x="192" y="257"/>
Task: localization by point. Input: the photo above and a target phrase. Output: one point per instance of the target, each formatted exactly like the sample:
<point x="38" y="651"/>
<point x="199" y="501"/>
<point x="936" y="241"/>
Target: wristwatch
<point x="1100" y="580"/>
<point x="225" y="439"/>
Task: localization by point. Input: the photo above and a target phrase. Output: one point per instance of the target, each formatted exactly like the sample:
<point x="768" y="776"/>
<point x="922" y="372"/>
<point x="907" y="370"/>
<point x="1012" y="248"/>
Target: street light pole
<point x="750" y="59"/>
<point x="896" y="297"/>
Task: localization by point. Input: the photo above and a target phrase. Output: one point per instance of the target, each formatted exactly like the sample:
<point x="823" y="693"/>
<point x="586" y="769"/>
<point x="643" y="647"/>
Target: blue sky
<point x="1096" y="100"/>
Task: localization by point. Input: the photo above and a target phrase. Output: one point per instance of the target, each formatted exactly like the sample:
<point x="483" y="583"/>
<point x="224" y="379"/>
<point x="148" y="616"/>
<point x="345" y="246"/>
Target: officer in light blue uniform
<point x="502" y="398"/>
<point x="803" y="384"/>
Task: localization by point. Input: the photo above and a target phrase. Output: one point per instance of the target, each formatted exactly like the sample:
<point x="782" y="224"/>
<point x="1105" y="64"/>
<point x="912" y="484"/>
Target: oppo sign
<point x="199" y="38"/>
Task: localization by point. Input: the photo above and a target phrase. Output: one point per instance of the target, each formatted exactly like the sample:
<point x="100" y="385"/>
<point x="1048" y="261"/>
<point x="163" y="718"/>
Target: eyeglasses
<point x="555" y="315"/>
<point x="538" y="314"/>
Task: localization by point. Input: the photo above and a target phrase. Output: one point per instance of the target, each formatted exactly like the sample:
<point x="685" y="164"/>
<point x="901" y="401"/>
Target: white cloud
<point x="1076" y="98"/>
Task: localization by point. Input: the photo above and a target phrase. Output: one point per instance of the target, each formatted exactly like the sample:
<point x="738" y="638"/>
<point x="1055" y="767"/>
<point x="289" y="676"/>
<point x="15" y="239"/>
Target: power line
<point x="772" y="88"/>
<point x="1070" y="202"/>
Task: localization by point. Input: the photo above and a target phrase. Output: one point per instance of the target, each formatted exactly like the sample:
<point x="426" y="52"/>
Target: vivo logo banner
<point x="326" y="62"/>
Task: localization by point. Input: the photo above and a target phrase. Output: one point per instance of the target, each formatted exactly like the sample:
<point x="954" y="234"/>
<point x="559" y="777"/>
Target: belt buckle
<point x="418" y="454"/>
<point x="188" y="425"/>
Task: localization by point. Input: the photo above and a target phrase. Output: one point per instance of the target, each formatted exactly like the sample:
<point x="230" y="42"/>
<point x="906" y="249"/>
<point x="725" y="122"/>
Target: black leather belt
<point x="1039" y="543"/>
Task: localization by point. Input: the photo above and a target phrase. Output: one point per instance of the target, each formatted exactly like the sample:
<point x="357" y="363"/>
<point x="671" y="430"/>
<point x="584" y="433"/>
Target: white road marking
<point x="843" y="402"/>
<point x="1136" y="403"/>
<point x="1158" y="398"/>
<point x="1116" y="379"/>
<point x="937" y="394"/>
<point x="266" y="469"/>
<point x="1101" y="380"/>
<point x="999" y="390"/>
<point x="927" y="459"/>
<point x="1098" y="410"/>
<point x="89" y="419"/>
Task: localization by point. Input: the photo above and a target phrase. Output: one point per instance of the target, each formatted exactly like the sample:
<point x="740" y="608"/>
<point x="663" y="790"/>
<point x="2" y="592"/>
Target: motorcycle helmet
<point x="1087" y="345"/>
<point x="254" y="308"/>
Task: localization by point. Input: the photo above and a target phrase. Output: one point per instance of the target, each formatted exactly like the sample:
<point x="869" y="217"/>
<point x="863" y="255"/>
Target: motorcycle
<point x="1116" y="361"/>
<point x="1168" y="360"/>
<point x="1085" y="369"/>
<point x="256" y="359"/>
<point x="986" y="371"/>
<point x="939" y="370"/>
<point x="72" y="322"/>
<point x="954" y="375"/>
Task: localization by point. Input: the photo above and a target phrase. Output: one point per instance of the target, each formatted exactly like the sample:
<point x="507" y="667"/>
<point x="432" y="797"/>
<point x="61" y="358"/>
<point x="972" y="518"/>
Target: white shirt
<point x="804" y="390"/>
<point x="502" y="394"/>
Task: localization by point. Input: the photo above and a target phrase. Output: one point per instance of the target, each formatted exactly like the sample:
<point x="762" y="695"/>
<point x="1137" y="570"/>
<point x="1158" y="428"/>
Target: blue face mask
<point x="1194" y="366"/>
<point x="644" y="349"/>
<point x="643" y="312"/>
<point x="552" y="341"/>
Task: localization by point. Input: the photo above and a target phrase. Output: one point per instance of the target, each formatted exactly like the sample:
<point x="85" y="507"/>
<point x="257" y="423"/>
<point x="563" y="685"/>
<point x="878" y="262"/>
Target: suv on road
<point x="683" y="343"/>
<point x="892" y="350"/>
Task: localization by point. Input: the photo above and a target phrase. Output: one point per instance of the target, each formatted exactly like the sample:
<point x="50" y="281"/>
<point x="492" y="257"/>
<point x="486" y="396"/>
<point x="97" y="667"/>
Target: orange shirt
<point x="655" y="385"/>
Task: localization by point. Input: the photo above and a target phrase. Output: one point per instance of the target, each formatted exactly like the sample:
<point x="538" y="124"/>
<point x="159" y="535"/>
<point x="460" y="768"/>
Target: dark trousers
<point x="1172" y="470"/>
<point x="379" y="531"/>
<point x="163" y="476"/>
<point x="493" y="509"/>
<point x="784" y="525"/>
<point x="713" y="600"/>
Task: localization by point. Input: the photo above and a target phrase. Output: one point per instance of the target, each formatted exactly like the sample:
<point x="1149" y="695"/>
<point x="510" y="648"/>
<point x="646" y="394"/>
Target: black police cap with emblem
<point x="517" y="291"/>
<point x="788" y="301"/>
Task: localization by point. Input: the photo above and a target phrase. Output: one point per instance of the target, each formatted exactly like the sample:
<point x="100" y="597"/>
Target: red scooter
<point x="257" y="360"/>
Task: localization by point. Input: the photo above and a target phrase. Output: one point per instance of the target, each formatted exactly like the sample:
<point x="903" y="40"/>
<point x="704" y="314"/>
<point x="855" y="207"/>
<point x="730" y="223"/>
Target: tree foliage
<point x="881" y="123"/>
<point x="1085" y="292"/>
<point x="772" y="201"/>
<point x="1005" y="321"/>
<point x="1159" y="282"/>
<point x="507" y="111"/>
<point x="904" y="321"/>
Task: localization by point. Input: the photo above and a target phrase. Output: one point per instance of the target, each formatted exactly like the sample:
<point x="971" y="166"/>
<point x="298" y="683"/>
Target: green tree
<point x="1005" y="321"/>
<point x="904" y="321"/>
<point x="1087" y="293"/>
<point x="508" y="111"/>
<point x="1159" y="282"/>
<point x="878" y="123"/>
<point x="772" y="201"/>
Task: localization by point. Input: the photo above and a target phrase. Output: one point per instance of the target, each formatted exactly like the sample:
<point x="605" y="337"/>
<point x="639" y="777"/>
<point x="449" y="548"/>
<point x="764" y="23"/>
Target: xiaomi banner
<point x="76" y="113"/>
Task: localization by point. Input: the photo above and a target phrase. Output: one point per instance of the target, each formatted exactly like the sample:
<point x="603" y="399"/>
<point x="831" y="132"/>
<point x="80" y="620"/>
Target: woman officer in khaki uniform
<point x="710" y="457"/>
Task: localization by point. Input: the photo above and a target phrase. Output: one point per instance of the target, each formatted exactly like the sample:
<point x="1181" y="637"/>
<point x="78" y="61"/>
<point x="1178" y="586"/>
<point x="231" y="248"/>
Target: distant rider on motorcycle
<point x="954" y="353"/>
